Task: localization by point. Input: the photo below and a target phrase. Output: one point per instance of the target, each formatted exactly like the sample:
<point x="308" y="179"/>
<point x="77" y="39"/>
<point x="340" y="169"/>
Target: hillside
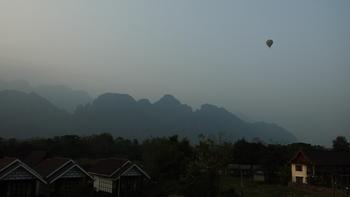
<point x="61" y="96"/>
<point x="122" y="115"/>
<point x="28" y="115"/>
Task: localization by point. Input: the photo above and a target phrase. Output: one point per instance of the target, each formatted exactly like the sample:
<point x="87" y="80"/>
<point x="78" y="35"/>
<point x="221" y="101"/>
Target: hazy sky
<point x="201" y="51"/>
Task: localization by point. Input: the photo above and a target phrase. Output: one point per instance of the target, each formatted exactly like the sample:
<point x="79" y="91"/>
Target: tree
<point x="203" y="172"/>
<point x="101" y="145"/>
<point x="341" y="144"/>
<point x="166" y="157"/>
<point x="248" y="153"/>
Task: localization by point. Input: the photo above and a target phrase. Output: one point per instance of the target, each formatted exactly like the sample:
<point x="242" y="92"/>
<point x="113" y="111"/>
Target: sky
<point x="201" y="51"/>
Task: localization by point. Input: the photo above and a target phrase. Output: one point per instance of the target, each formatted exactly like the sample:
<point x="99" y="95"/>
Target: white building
<point x="322" y="167"/>
<point x="119" y="177"/>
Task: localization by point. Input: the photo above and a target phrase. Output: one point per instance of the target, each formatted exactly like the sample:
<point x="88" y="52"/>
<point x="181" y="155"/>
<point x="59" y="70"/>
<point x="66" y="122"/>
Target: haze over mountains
<point x="42" y="113"/>
<point x="61" y="96"/>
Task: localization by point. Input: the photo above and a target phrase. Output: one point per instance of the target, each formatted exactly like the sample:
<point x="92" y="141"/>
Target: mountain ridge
<point x="62" y="96"/>
<point x="169" y="115"/>
<point x="122" y="115"/>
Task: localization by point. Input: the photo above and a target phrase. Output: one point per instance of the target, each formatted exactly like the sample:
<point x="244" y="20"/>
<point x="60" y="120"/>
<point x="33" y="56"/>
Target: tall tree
<point x="341" y="144"/>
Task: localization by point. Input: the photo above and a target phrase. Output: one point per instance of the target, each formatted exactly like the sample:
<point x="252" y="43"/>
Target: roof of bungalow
<point x="114" y="167"/>
<point x="324" y="158"/>
<point x="107" y="167"/>
<point x="8" y="165"/>
<point x="54" y="168"/>
<point x="48" y="166"/>
<point x="5" y="161"/>
<point x="35" y="157"/>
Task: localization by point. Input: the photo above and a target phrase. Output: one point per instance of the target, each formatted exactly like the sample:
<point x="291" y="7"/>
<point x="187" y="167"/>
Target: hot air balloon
<point x="269" y="43"/>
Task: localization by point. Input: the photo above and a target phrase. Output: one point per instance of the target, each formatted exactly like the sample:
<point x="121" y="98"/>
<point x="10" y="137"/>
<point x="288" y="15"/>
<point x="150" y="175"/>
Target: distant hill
<point x="28" y="114"/>
<point x="122" y="115"/>
<point x="62" y="96"/>
<point x="31" y="115"/>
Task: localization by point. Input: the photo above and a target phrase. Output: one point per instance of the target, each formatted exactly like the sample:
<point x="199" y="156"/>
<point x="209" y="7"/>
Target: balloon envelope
<point x="269" y="43"/>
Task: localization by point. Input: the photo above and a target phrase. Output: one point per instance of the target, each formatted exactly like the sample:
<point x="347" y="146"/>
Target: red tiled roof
<point x="6" y="161"/>
<point x="48" y="166"/>
<point x="300" y="157"/>
<point x="35" y="157"/>
<point x="107" y="167"/>
<point x="60" y="171"/>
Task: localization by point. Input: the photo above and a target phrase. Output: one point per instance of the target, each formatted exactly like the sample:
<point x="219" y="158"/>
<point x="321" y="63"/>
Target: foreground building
<point x="42" y="176"/>
<point x="323" y="168"/>
<point x="18" y="179"/>
<point x="118" y="177"/>
<point x="64" y="177"/>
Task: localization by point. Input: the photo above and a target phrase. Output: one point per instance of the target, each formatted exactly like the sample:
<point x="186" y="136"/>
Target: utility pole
<point x="333" y="185"/>
<point x="119" y="186"/>
<point x="242" y="194"/>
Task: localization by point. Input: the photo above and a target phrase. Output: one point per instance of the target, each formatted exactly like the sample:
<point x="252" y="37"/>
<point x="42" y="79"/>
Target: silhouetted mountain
<point x="167" y="101"/>
<point x="212" y="119"/>
<point x="122" y="115"/>
<point x="63" y="96"/>
<point x="60" y="95"/>
<point x="28" y="114"/>
<point x="114" y="101"/>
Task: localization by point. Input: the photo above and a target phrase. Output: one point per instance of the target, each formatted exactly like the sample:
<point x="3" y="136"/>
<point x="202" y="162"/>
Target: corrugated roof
<point x="5" y="161"/>
<point x="60" y="171"/>
<point x="35" y="157"/>
<point x="6" y="170"/>
<point x="48" y="166"/>
<point x="5" y="167"/>
<point x="109" y="166"/>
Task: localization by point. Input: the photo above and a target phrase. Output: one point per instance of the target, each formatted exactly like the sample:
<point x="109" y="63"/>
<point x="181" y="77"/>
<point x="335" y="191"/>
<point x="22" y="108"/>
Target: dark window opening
<point x="298" y="167"/>
<point x="299" y="180"/>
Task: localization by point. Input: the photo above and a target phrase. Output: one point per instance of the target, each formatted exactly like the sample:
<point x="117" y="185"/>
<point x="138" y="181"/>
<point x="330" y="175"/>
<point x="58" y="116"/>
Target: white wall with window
<point x="103" y="184"/>
<point x="299" y="173"/>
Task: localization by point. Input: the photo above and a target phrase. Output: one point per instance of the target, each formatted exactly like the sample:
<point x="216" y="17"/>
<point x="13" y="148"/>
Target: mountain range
<point x="26" y="115"/>
<point x="62" y="96"/>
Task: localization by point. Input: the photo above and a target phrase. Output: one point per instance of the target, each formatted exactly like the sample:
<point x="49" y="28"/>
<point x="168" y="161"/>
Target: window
<point x="105" y="185"/>
<point x="299" y="179"/>
<point x="298" y="167"/>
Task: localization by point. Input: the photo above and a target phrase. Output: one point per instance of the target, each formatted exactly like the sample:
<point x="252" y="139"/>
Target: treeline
<point x="176" y="165"/>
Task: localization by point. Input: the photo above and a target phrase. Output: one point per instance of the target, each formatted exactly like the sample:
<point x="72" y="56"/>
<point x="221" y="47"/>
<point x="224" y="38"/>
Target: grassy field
<point x="254" y="189"/>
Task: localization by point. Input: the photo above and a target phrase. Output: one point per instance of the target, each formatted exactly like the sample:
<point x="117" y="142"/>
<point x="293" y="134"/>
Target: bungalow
<point x="63" y="177"/>
<point x="250" y="171"/>
<point x="118" y="177"/>
<point x="18" y="179"/>
<point x="324" y="168"/>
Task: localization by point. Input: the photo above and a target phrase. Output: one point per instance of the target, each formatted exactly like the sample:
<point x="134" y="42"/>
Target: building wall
<point x="259" y="177"/>
<point x="103" y="184"/>
<point x="43" y="189"/>
<point x="296" y="173"/>
<point x="19" y="182"/>
<point x="12" y="188"/>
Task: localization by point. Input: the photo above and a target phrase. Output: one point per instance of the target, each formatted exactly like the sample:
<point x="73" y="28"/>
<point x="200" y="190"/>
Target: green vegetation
<point x="178" y="167"/>
<point x="255" y="189"/>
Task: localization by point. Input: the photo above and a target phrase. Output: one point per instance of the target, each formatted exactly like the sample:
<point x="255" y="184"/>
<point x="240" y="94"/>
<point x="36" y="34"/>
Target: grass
<point x="255" y="189"/>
